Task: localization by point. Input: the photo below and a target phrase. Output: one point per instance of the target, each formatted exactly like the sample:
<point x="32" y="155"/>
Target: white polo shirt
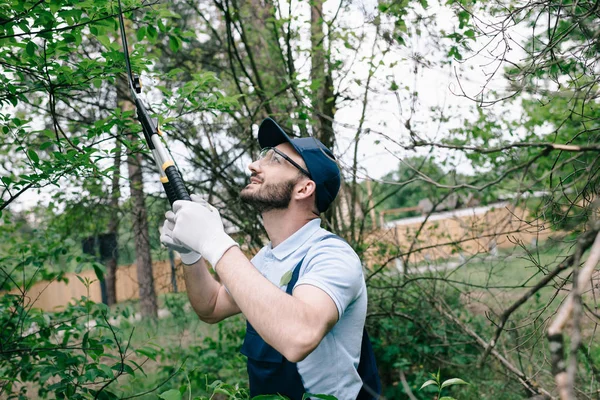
<point x="331" y="265"/>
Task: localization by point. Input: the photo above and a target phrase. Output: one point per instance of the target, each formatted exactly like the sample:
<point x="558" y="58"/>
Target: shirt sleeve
<point x="334" y="268"/>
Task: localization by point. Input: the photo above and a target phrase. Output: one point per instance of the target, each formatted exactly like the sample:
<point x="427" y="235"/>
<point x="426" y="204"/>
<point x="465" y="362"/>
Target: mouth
<point x="254" y="181"/>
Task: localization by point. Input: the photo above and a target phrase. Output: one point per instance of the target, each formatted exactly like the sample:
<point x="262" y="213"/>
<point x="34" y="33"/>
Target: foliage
<point x="63" y="112"/>
<point x="73" y="354"/>
<point x="409" y="337"/>
<point x="30" y="254"/>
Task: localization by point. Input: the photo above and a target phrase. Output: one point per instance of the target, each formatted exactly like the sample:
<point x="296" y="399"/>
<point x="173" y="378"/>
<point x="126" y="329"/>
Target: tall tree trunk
<point x="317" y="69"/>
<point x="148" y="305"/>
<point x="323" y="96"/>
<point x="113" y="227"/>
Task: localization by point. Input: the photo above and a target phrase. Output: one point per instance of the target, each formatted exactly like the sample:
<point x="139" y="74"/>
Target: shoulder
<point x="327" y="242"/>
<point x="334" y="267"/>
<point x="330" y="249"/>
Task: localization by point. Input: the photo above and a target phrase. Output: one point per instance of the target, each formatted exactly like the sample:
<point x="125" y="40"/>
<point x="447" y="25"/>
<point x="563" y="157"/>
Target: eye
<point x="265" y="154"/>
<point x="276" y="158"/>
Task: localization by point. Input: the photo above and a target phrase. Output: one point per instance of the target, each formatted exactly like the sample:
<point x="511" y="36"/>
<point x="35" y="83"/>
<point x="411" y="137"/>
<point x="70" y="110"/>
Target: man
<point x="303" y="294"/>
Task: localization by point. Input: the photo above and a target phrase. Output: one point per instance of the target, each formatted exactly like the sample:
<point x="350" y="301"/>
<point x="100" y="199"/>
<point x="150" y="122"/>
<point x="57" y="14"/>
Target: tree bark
<point x="323" y="95"/>
<point x="148" y="304"/>
<point x="321" y="82"/>
<point x="113" y="227"/>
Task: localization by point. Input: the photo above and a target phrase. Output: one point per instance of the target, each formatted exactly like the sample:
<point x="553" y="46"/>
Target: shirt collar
<point x="294" y="242"/>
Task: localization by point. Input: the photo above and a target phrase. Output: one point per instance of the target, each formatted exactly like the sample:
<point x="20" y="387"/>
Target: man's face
<point x="273" y="180"/>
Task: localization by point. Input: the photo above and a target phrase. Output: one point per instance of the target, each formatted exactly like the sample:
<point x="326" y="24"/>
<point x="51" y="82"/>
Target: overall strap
<point x="290" y="286"/>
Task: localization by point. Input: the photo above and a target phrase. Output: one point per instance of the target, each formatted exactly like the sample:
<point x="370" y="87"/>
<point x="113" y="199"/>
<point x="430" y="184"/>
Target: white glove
<point x="188" y="256"/>
<point x="198" y="227"/>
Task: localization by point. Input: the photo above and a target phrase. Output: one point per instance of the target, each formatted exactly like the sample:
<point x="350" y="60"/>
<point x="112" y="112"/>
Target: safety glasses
<point x="270" y="155"/>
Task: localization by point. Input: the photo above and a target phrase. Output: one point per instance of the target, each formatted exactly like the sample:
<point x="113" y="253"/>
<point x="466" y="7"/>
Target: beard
<point x="270" y="196"/>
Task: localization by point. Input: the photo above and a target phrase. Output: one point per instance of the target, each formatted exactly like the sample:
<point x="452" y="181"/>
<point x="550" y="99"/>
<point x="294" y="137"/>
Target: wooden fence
<point x="440" y="236"/>
<point x="55" y="295"/>
<point x="458" y="233"/>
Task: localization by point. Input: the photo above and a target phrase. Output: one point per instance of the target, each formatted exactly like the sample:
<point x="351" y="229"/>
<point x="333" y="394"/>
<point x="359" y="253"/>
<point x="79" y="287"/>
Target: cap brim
<point x="270" y="134"/>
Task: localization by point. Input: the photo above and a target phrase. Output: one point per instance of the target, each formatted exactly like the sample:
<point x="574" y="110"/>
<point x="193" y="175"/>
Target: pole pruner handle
<point x="176" y="188"/>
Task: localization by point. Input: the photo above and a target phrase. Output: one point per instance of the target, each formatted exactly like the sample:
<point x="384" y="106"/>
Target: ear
<point x="304" y="189"/>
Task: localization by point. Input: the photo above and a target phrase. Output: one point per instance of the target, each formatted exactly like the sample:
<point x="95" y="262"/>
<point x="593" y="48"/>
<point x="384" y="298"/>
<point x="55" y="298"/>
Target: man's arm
<point x="293" y="325"/>
<point x="208" y="298"/>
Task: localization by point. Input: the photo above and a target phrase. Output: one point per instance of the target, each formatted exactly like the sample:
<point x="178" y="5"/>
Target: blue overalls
<point x="271" y="373"/>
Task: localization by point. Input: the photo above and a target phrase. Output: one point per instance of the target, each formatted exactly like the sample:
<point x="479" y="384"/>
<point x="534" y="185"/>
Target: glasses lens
<point x="265" y="154"/>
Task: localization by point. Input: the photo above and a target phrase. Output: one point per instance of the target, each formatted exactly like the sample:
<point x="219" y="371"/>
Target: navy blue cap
<point x="319" y="160"/>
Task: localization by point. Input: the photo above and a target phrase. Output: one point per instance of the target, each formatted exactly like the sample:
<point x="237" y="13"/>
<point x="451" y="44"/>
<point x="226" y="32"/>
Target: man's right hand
<point x="188" y="256"/>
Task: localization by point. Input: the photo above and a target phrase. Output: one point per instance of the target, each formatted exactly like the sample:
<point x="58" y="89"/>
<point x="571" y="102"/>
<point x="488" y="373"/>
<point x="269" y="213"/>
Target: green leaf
<point x="147" y="352"/>
<point x="30" y="48"/>
<point x="174" y="43"/>
<point x="45" y="145"/>
<point x="108" y="373"/>
<point x="81" y="280"/>
<point x="429" y="382"/>
<point x="170" y="394"/>
<point x="463" y="19"/>
<point x="152" y="32"/>
<point x="105" y="40"/>
<point x="141" y="33"/>
<point x="453" y="381"/>
<point x="286" y="278"/>
<point x="318" y="396"/>
<point x="78" y="268"/>
<point x="69" y="38"/>
<point x="33" y="155"/>
<point x="447" y="398"/>
<point x="161" y="25"/>
<point x="99" y="269"/>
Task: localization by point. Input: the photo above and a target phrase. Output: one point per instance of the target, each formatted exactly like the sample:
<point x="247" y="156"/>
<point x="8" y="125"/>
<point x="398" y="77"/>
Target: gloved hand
<point x="198" y="227"/>
<point x="188" y="256"/>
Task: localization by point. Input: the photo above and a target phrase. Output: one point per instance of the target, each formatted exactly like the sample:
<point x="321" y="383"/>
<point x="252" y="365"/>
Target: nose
<point x="254" y="166"/>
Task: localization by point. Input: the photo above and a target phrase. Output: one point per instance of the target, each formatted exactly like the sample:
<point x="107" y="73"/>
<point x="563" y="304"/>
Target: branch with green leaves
<point x="436" y="380"/>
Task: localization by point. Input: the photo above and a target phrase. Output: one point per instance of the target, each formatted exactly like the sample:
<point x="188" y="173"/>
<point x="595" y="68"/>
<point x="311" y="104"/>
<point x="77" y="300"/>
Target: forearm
<point x="282" y="320"/>
<point x="206" y="295"/>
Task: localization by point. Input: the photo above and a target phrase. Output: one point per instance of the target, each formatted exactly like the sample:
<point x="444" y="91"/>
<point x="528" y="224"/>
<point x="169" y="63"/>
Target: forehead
<point x="289" y="151"/>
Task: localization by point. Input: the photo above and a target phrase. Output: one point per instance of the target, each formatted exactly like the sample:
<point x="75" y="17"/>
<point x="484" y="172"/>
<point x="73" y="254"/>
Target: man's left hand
<point x="198" y="226"/>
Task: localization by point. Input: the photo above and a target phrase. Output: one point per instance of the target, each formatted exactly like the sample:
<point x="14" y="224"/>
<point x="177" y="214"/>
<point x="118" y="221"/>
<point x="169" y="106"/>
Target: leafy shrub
<point x="215" y="359"/>
<point x="71" y="354"/>
<point x="410" y="337"/>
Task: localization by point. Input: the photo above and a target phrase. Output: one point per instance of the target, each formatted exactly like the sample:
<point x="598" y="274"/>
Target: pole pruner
<point x="169" y="174"/>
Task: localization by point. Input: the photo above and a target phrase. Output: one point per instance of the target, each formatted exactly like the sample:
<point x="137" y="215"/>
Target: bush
<point x="71" y="354"/>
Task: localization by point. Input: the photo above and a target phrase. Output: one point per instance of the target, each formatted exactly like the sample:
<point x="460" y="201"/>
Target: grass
<point x="189" y="352"/>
